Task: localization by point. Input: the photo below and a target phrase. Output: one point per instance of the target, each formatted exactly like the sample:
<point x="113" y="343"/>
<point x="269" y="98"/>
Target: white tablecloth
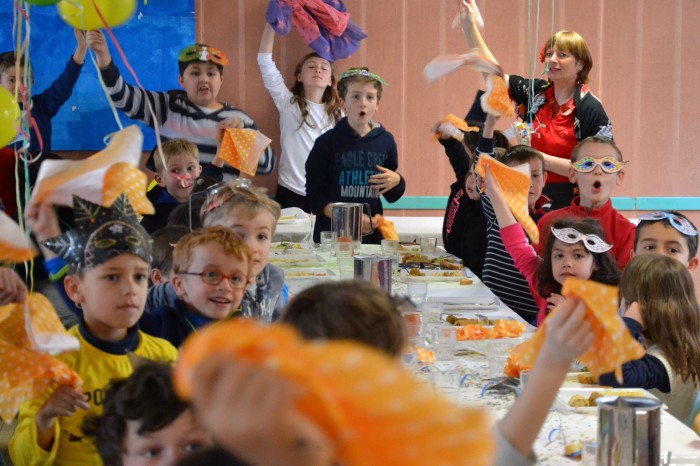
<point x="415" y="228"/>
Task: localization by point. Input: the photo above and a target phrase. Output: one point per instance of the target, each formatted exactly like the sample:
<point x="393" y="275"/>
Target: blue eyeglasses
<point x="681" y="224"/>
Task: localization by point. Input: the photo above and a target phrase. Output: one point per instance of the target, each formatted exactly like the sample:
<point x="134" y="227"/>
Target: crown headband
<point x="352" y="72"/>
<point x="203" y="53"/>
<point x="681" y="224"/>
<point x="572" y="236"/>
<point x="101" y="233"/>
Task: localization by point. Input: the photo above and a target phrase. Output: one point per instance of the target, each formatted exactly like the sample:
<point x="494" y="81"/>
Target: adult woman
<point x="562" y="109"/>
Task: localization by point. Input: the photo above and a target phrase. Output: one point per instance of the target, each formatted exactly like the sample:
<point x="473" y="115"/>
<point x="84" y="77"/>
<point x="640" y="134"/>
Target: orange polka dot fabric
<point x="242" y="148"/>
<point x="373" y="410"/>
<point x="515" y="186"/>
<point x="14" y="245"/>
<point x="458" y="123"/>
<point x="496" y="99"/>
<point x="386" y="227"/>
<point x="613" y="345"/>
<point x="125" y="178"/>
<point x="25" y="372"/>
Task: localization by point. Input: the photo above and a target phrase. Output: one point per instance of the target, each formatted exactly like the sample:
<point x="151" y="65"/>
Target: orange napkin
<point x="502" y="329"/>
<point x="445" y="64"/>
<point x="613" y="345"/>
<point x="26" y="370"/>
<point x="242" y="148"/>
<point x="372" y="409"/>
<point x="14" y="245"/>
<point x="458" y="123"/>
<point x="496" y="100"/>
<point x="99" y="178"/>
<point x="386" y="227"/>
<point x="514" y="184"/>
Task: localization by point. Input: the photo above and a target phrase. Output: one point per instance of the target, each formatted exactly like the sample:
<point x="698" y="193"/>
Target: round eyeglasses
<point x="213" y="277"/>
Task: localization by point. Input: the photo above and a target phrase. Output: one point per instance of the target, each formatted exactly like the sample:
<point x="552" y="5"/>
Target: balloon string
<point x="136" y="78"/>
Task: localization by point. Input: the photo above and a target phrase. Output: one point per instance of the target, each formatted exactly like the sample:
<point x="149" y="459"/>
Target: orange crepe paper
<point x="99" y="177"/>
<point x="514" y="184"/>
<point x="458" y="123"/>
<point x="612" y="346"/>
<point x="445" y="64"/>
<point x="496" y="100"/>
<point x="386" y="227"/>
<point x="26" y="372"/>
<point x="514" y="364"/>
<point x="14" y="245"/>
<point x="367" y="404"/>
<point x="242" y="148"/>
<point x="502" y="329"/>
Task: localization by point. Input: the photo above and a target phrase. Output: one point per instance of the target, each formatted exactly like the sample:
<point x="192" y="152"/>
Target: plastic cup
<point x="343" y="254"/>
<point x="390" y="247"/>
<point x="444" y="342"/>
<point x="497" y="357"/>
<point x="328" y="240"/>
<point x="417" y="292"/>
<point x="428" y="245"/>
<point x="446" y="380"/>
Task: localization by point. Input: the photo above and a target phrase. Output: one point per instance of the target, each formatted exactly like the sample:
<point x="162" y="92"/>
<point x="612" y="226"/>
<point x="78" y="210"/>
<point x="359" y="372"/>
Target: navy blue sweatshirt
<point x="339" y="167"/>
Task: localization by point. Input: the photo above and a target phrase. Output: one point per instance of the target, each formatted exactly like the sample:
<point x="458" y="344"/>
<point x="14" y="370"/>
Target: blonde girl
<point x="661" y="310"/>
<point x="308" y="110"/>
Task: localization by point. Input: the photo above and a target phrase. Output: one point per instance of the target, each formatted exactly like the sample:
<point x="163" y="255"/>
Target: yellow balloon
<point x="81" y="14"/>
<point x="9" y="116"/>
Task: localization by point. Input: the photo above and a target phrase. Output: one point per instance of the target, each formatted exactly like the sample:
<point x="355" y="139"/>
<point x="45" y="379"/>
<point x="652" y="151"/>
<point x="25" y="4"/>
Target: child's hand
<point x="568" y="333"/>
<point x="97" y="42"/>
<point x="366" y="224"/>
<point x="65" y="401"/>
<point x="469" y="11"/>
<point x="12" y="288"/>
<point x="43" y="221"/>
<point x="268" y="428"/>
<point x="447" y="130"/>
<point x="81" y="49"/>
<point x="384" y="181"/>
<point x="554" y="301"/>
<point x="222" y="126"/>
<point x="491" y="185"/>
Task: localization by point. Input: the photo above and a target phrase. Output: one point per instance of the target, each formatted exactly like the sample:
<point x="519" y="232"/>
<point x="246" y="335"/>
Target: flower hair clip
<point x="360" y="72"/>
<point x="572" y="236"/>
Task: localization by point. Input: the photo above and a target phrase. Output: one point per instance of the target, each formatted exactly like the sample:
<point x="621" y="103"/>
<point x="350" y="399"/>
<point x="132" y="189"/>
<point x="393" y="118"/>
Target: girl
<point x="574" y="249"/>
<point x="308" y="110"/>
<point x="661" y="310"/>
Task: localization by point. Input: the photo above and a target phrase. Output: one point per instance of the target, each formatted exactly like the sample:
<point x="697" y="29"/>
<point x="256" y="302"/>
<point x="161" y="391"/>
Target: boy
<point x="44" y="107"/>
<point x="194" y="113"/>
<point x="144" y="422"/>
<point x="177" y="179"/>
<point x="596" y="167"/>
<point x="211" y="270"/>
<point x="669" y="233"/>
<point x="499" y="271"/>
<point x="163" y="242"/>
<point x="253" y="216"/>
<point x="356" y="160"/>
<point x="108" y="254"/>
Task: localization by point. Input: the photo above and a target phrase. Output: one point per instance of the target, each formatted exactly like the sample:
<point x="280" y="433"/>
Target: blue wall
<point x="151" y="41"/>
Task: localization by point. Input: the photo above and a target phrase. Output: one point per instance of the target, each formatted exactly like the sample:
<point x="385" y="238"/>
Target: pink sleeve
<point x="525" y="258"/>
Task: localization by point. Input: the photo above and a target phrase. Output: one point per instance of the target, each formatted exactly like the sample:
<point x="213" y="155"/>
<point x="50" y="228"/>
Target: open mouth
<point x="597" y="185"/>
<point x="363" y="114"/>
<point x="221" y="301"/>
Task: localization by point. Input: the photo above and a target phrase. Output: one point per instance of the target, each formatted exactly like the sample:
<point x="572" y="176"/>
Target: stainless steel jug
<point x="375" y="269"/>
<point x="628" y="431"/>
<point x="346" y="221"/>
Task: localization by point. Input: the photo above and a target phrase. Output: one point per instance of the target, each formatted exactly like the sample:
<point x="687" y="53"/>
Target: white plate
<point x="456" y="304"/>
<point x="308" y="273"/>
<point x="287" y="247"/>
<point x="434" y="276"/>
<point x="292" y="215"/>
<point x="284" y="260"/>
<point x="565" y="394"/>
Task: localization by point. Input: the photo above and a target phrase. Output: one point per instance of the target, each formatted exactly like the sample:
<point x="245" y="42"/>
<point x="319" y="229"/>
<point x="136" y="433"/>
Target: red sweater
<point x="619" y="231"/>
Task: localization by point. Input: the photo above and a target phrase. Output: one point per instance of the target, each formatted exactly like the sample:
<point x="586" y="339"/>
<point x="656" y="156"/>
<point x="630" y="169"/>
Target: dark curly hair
<point x="147" y="396"/>
<point x="605" y="269"/>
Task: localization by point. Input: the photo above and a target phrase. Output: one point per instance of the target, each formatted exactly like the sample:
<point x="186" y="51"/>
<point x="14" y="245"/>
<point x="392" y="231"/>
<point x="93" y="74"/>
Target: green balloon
<point x="42" y="2"/>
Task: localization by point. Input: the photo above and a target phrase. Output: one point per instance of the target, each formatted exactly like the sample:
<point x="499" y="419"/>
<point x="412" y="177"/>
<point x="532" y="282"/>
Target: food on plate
<point x="287" y="245"/>
<point x="574" y="449"/>
<point x="416" y="273"/>
<point x="466" y="281"/>
<point x="587" y="378"/>
<point x="415" y="258"/>
<point x="501" y="329"/>
<point x="579" y="401"/>
<point x="405" y="246"/>
<point x="446" y="263"/>
<point x="305" y="274"/>
<point x="457" y="321"/>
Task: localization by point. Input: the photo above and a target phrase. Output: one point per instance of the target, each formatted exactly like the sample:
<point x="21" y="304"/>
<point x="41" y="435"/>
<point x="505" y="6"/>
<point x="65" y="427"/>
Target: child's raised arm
<point x="503" y="214"/>
<point x="267" y="41"/>
<point x="81" y="48"/>
<point x="96" y="41"/>
<point x="12" y="288"/>
<point x="568" y="335"/>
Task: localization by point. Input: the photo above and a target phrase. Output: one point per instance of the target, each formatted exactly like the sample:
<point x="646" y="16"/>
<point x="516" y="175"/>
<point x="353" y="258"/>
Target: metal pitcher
<point x="628" y="431"/>
<point x="375" y="269"/>
<point x="346" y="221"/>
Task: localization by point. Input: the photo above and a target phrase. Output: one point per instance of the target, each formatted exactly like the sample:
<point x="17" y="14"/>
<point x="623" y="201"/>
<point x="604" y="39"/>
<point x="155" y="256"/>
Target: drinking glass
<point x="390" y="247"/>
<point x="328" y="240"/>
<point x="428" y="245"/>
<point x="417" y="292"/>
<point x="444" y="342"/>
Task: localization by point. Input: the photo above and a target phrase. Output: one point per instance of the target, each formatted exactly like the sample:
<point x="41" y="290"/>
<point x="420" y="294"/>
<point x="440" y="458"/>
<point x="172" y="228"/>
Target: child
<point x="575" y="249"/>
<point x="352" y="310"/>
<point x="12" y="288"/>
<point x="193" y="114"/>
<point x="667" y="233"/>
<point x="211" y="270"/>
<point x="163" y="242"/>
<point x="177" y="179"/>
<point x="108" y="253"/>
<point x="356" y="160"/>
<point x="307" y="111"/>
<point x="661" y="311"/>
<point x="253" y="216"/>
<point x="144" y="422"/>
<point x="270" y="429"/>
<point x="596" y="167"/>
<point x="500" y="273"/>
<point x="44" y="107"/>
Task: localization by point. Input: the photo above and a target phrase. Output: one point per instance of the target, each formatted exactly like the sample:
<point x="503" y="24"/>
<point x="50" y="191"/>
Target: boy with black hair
<point x="669" y="233"/>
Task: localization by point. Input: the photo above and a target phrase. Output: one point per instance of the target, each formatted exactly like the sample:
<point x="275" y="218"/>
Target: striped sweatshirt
<point x="178" y="117"/>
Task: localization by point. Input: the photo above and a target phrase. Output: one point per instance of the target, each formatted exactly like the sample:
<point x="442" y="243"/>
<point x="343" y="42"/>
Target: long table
<point x="675" y="435"/>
